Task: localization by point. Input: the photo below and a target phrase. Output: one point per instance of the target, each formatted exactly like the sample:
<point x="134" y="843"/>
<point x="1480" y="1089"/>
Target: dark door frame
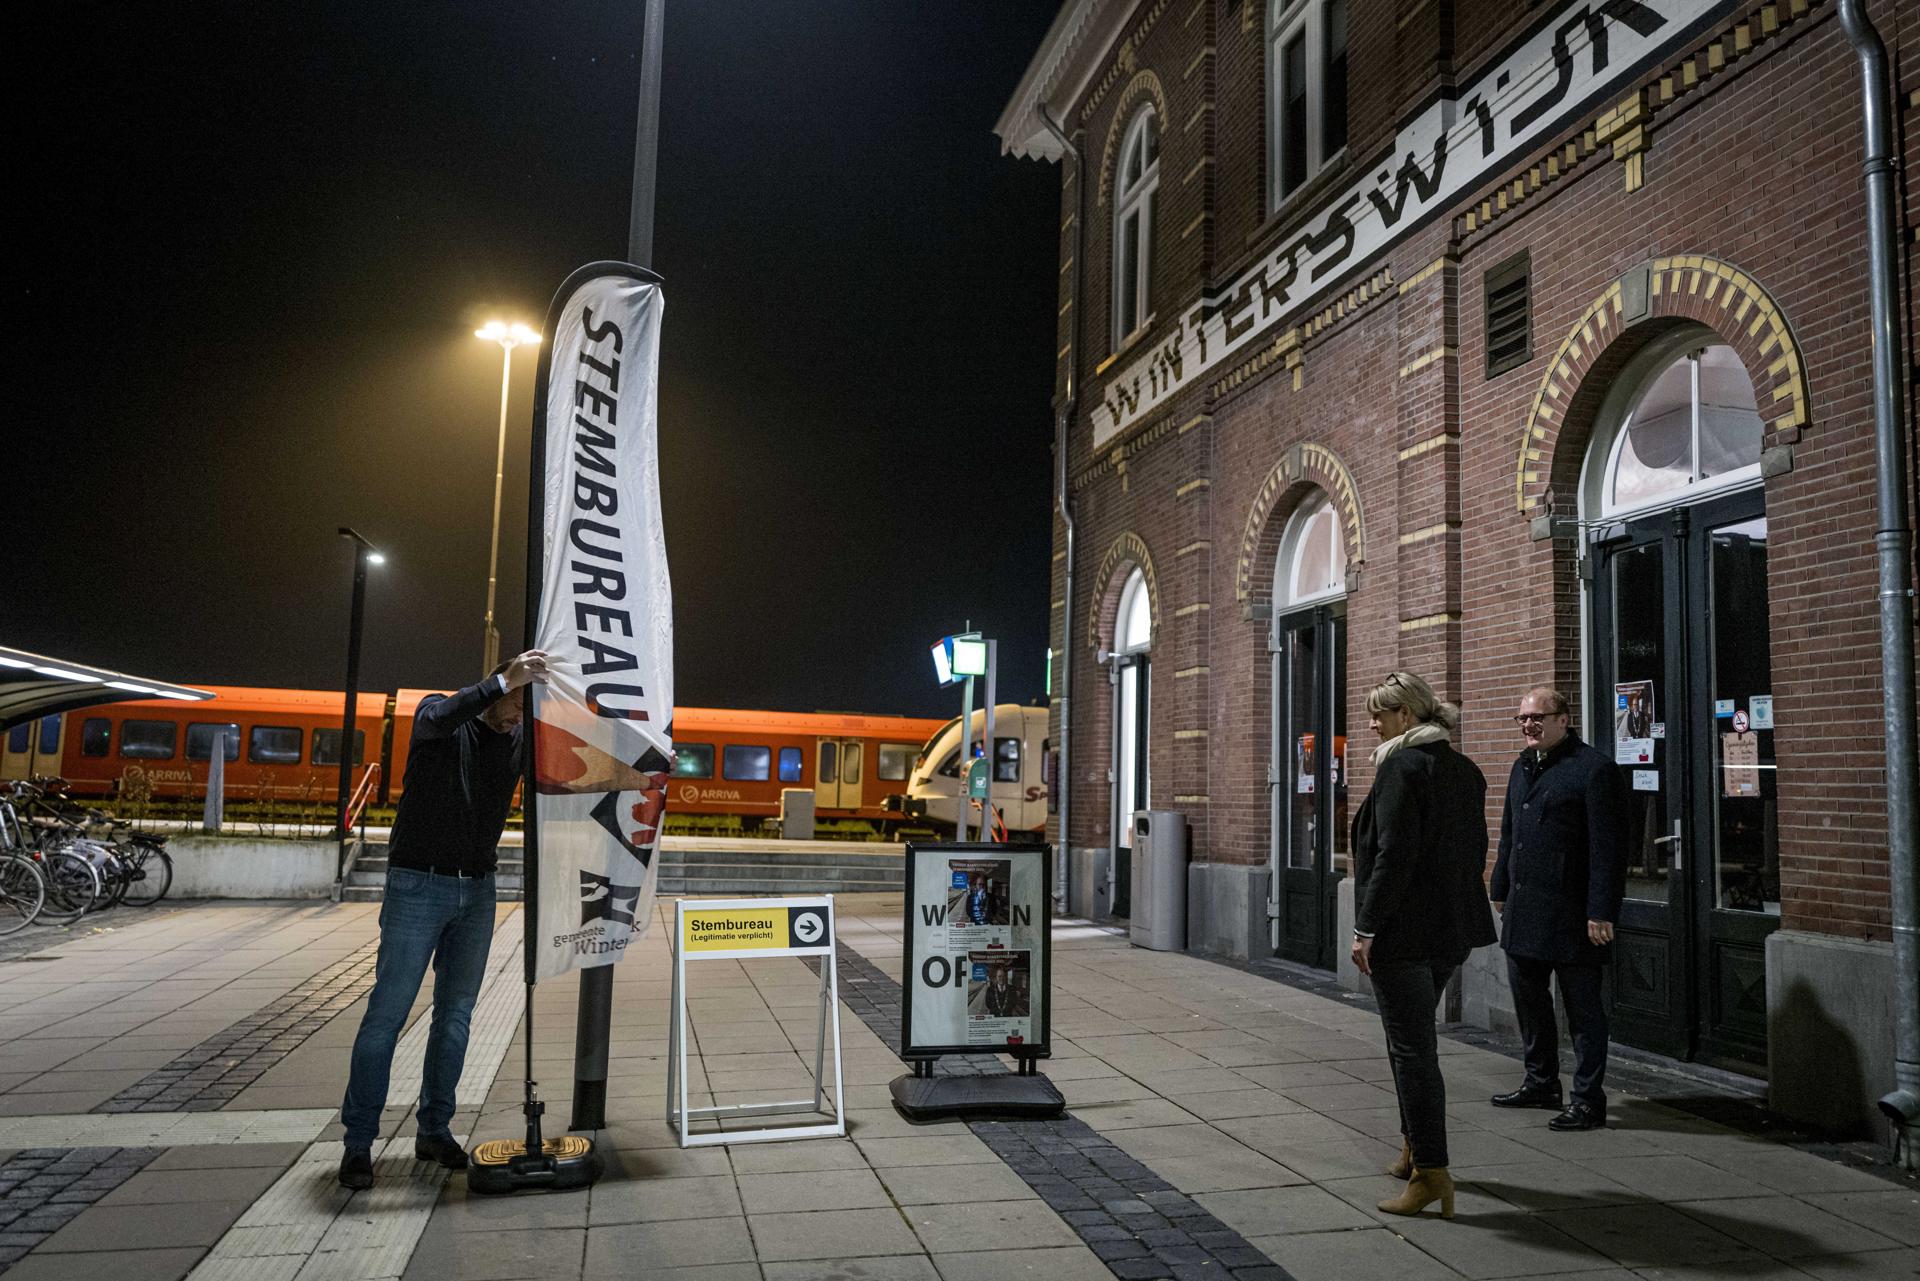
<point x="1304" y="901"/>
<point x="1670" y="979"/>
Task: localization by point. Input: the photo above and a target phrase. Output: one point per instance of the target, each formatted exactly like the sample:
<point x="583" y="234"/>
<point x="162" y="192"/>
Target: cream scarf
<point x="1425" y="732"/>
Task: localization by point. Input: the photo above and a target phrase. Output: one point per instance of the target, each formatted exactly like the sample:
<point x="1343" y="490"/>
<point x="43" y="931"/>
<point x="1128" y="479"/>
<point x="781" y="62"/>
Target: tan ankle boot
<point x="1423" y="1189"/>
<point x="1402" y="1167"/>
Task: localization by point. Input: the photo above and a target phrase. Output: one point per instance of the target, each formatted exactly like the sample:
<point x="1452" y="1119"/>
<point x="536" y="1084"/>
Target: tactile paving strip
<point x="309" y="1228"/>
<point x="1140" y="1225"/>
<point x="496" y="1016"/>
<point x="208" y="1076"/>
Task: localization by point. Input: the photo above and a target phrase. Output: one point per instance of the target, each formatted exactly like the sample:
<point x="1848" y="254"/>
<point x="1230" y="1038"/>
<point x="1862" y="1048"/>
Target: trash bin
<point x="796" y="813"/>
<point x="1159" y="918"/>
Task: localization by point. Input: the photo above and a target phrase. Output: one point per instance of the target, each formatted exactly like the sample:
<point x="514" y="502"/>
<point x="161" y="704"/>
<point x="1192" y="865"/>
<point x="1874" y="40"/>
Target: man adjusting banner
<point x="603" y="725"/>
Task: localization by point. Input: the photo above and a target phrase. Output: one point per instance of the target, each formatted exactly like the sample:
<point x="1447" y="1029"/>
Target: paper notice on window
<point x="1740" y="764"/>
<point x="1646" y="780"/>
<point x="1633" y="751"/>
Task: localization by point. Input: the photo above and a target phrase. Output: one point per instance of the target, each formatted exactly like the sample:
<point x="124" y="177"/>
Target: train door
<point x="32" y="747"/>
<point x="839" y="774"/>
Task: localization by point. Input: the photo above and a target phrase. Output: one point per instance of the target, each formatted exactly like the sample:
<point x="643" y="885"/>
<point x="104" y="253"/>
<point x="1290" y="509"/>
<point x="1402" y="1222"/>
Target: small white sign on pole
<point x="755" y="929"/>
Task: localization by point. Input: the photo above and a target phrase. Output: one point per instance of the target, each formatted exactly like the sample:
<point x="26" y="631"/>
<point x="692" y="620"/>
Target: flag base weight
<point x="502" y="1165"/>
<point x="1011" y="1097"/>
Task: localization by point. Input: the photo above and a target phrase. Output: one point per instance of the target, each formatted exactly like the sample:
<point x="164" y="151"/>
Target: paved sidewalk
<point x="168" y="1095"/>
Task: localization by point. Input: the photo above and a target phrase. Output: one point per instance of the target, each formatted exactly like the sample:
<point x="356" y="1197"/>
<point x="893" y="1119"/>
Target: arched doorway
<point x="1132" y="722"/>
<point x="1307" y="775"/>
<point x="1680" y="693"/>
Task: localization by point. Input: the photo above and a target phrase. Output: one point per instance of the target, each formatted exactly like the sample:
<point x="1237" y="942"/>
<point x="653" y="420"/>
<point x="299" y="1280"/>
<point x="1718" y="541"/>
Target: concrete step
<point x="739" y="889"/>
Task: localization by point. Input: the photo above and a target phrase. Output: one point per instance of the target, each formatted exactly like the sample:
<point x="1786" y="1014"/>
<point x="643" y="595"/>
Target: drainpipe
<point x="1063" y="775"/>
<point x="1893" y="543"/>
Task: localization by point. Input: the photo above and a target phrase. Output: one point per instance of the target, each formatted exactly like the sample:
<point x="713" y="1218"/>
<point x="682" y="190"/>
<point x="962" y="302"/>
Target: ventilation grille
<point x="1509" y="316"/>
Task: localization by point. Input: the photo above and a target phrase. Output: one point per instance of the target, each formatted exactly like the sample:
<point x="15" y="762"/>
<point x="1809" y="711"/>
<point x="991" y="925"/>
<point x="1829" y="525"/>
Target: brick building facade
<point x="1506" y="343"/>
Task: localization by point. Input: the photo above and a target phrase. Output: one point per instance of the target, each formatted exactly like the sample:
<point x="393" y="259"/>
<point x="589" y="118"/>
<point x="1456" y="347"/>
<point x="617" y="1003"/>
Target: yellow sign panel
<point x="755" y="929"/>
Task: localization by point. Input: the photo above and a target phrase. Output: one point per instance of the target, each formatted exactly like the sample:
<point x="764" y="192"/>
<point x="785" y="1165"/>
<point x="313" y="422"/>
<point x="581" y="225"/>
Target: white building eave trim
<point x="1061" y="69"/>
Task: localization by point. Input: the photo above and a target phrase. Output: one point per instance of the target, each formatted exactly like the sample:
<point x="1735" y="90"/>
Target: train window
<point x="326" y="746"/>
<point x="951" y="766"/>
<point x="693" y="760"/>
<point x="789" y="765"/>
<point x="746" y="764"/>
<point x="1006" y="760"/>
<point x="896" y="759"/>
<point x="850" y="764"/>
<point x="200" y="736"/>
<point x="273" y="745"/>
<point x="148" y="740"/>
<point x="49" y="735"/>
<point x="17" y="737"/>
<point x="95" y="734"/>
<point x="829" y="762"/>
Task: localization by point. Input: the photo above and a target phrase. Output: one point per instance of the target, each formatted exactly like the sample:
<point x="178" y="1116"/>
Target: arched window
<point x="1313" y="556"/>
<point x="1690" y="427"/>
<point x="1135" y="197"/>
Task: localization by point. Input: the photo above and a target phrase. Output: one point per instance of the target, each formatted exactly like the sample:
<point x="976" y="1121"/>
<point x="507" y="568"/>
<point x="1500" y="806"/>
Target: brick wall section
<point x="1757" y="167"/>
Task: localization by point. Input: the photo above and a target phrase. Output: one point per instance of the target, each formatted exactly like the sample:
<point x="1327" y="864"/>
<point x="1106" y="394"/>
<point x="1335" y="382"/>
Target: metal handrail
<point x="362" y="797"/>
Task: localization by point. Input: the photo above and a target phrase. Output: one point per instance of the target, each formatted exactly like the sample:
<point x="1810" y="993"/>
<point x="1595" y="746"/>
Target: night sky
<point x="252" y="242"/>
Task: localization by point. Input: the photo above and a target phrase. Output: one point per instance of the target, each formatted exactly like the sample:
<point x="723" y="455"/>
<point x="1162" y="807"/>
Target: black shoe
<point x="356" y="1169"/>
<point x="1545" y="1095"/>
<point x="1580" y="1116"/>
<point x="443" y="1148"/>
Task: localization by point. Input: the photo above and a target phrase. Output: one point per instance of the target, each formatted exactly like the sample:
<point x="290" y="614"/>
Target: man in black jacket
<point x="439" y="904"/>
<point x="1558" y="883"/>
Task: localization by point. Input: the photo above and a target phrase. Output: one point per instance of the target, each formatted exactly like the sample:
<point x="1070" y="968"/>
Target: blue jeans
<point x="445" y="919"/>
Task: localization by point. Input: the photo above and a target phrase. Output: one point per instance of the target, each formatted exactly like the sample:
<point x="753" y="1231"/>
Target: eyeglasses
<point x="1535" y="718"/>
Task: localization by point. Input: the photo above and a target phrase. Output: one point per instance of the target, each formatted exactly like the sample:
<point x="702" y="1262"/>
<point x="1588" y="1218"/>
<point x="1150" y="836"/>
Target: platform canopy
<point x="33" y="685"/>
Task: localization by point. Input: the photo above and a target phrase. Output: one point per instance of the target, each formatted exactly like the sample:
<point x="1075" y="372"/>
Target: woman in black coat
<point x="1420" y="905"/>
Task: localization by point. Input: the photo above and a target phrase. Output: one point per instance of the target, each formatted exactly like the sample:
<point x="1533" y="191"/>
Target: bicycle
<point x="23" y="888"/>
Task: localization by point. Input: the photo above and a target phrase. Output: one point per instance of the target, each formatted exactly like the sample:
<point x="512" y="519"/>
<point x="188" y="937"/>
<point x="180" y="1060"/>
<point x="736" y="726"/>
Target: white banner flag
<point x="602" y="729"/>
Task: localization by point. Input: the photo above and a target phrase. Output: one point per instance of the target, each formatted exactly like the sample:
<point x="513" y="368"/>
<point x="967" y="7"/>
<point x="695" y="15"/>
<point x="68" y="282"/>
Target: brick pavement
<point x="1257" y="1105"/>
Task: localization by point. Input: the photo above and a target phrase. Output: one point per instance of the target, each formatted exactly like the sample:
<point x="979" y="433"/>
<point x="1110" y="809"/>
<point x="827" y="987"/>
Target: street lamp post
<point x="364" y="554"/>
<point x="509" y="337"/>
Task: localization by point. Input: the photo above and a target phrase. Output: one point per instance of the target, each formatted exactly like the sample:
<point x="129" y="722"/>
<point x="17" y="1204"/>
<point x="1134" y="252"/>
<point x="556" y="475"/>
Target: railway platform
<point x="169" y="1086"/>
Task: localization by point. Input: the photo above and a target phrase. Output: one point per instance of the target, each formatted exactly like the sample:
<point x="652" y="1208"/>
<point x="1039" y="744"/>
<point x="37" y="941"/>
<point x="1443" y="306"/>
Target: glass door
<point x="1132" y="690"/>
<point x="1307" y="779"/>
<point x="1684" y="705"/>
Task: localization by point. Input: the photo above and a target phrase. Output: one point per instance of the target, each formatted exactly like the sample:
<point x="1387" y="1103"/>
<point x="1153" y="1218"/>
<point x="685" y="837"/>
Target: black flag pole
<point x="570" y="1161"/>
<point x="593" y="1027"/>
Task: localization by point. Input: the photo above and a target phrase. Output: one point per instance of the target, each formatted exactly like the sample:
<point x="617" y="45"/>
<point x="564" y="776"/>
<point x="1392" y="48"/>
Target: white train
<point x="1019" y="783"/>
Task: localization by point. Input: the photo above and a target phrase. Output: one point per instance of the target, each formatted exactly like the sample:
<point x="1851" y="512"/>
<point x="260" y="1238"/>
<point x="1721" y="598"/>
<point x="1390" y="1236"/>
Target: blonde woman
<point x="1420" y="904"/>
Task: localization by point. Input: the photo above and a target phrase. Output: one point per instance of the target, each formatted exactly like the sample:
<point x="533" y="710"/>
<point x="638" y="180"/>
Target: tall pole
<point x="360" y="549"/>
<point x="593" y="1027"/>
<point x="491" y="644"/>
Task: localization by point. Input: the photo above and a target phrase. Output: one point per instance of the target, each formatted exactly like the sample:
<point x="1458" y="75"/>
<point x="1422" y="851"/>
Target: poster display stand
<point x="978" y="979"/>
<point x="755" y="929"/>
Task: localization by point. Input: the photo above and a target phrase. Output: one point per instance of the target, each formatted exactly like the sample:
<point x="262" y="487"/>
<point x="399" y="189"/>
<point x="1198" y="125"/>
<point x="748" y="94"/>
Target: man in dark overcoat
<point x="1558" y="882"/>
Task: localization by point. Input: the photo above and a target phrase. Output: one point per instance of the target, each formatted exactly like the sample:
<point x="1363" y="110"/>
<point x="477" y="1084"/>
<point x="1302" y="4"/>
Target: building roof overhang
<point x="1072" y="52"/>
<point x="33" y="685"/>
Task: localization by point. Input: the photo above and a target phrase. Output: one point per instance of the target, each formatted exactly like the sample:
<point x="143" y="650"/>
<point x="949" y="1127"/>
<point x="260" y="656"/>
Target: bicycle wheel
<point x="72" y="886"/>
<point x="115" y="873"/>
<point x="23" y="893"/>
<point x="149" y="874"/>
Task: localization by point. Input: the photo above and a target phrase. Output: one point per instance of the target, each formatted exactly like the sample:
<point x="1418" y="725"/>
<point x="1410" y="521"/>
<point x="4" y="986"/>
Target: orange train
<point x="284" y="744"/>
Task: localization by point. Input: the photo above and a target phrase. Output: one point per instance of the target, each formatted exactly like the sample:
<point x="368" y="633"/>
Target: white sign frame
<point x="680" y="1116"/>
